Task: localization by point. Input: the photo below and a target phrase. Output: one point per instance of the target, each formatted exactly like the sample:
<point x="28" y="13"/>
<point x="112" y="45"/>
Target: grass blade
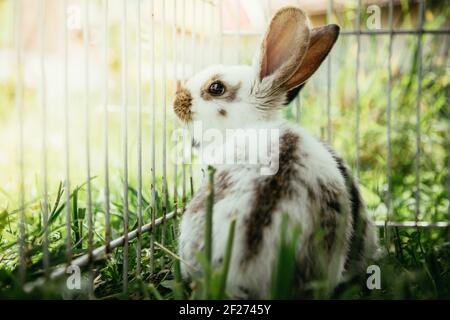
<point x="227" y="259"/>
<point x="209" y="226"/>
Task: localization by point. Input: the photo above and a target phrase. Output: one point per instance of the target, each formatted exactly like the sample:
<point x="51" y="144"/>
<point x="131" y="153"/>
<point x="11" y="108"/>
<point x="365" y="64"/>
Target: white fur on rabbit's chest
<point x="317" y="166"/>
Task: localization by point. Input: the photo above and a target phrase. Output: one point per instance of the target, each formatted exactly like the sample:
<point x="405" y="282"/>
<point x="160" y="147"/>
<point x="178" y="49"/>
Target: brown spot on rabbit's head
<point x="183" y="105"/>
<point x="223" y="112"/>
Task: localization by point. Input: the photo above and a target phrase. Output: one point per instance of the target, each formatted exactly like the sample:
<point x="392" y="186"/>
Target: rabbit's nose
<point x="183" y="104"/>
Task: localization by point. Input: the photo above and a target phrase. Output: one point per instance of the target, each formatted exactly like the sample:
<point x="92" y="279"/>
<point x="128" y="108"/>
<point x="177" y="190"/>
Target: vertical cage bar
<point x="174" y="88"/>
<point x="298" y="98"/>
<point x="139" y="134"/>
<point x="67" y="137"/>
<point x="106" y="126"/>
<point x="329" y="12"/>
<point x="164" y="117"/>
<point x="20" y="111"/>
<point x="298" y="108"/>
<point x="43" y="106"/>
<point x="388" y="121"/>
<point x="86" y="42"/>
<point x="193" y="40"/>
<point x="125" y="143"/>
<point x="212" y="40"/>
<point x="239" y="58"/>
<point x="418" y="104"/>
<point x="153" y="134"/>
<point x="194" y="70"/>
<point x="221" y="30"/>
<point x="183" y="78"/>
<point x="357" y="102"/>
<point x="202" y="33"/>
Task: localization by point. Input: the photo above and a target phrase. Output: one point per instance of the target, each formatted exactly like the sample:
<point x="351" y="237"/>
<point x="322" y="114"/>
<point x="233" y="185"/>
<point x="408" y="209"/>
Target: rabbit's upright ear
<point x="321" y="41"/>
<point x="284" y="46"/>
<point x="291" y="52"/>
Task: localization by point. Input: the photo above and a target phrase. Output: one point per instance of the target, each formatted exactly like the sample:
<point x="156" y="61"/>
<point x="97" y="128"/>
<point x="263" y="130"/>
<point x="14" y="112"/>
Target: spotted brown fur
<point x="357" y="239"/>
<point x="222" y="184"/>
<point x="330" y="209"/>
<point x="269" y="192"/>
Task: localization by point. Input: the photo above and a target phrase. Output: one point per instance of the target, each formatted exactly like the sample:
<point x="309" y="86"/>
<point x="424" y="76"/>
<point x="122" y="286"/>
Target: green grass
<point x="416" y="264"/>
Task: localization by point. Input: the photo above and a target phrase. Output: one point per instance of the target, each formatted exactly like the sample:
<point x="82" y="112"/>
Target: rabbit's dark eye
<point x="216" y="88"/>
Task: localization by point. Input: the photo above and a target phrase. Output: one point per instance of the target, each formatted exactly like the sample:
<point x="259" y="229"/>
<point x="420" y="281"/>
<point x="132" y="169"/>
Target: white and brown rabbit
<point x="312" y="185"/>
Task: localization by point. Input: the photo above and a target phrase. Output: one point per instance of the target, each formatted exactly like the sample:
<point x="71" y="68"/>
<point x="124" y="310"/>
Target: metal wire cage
<point x="158" y="44"/>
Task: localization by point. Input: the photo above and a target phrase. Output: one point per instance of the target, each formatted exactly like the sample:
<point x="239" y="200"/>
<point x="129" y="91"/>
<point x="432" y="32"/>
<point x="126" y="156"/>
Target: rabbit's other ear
<point x="284" y="46"/>
<point x="321" y="41"/>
